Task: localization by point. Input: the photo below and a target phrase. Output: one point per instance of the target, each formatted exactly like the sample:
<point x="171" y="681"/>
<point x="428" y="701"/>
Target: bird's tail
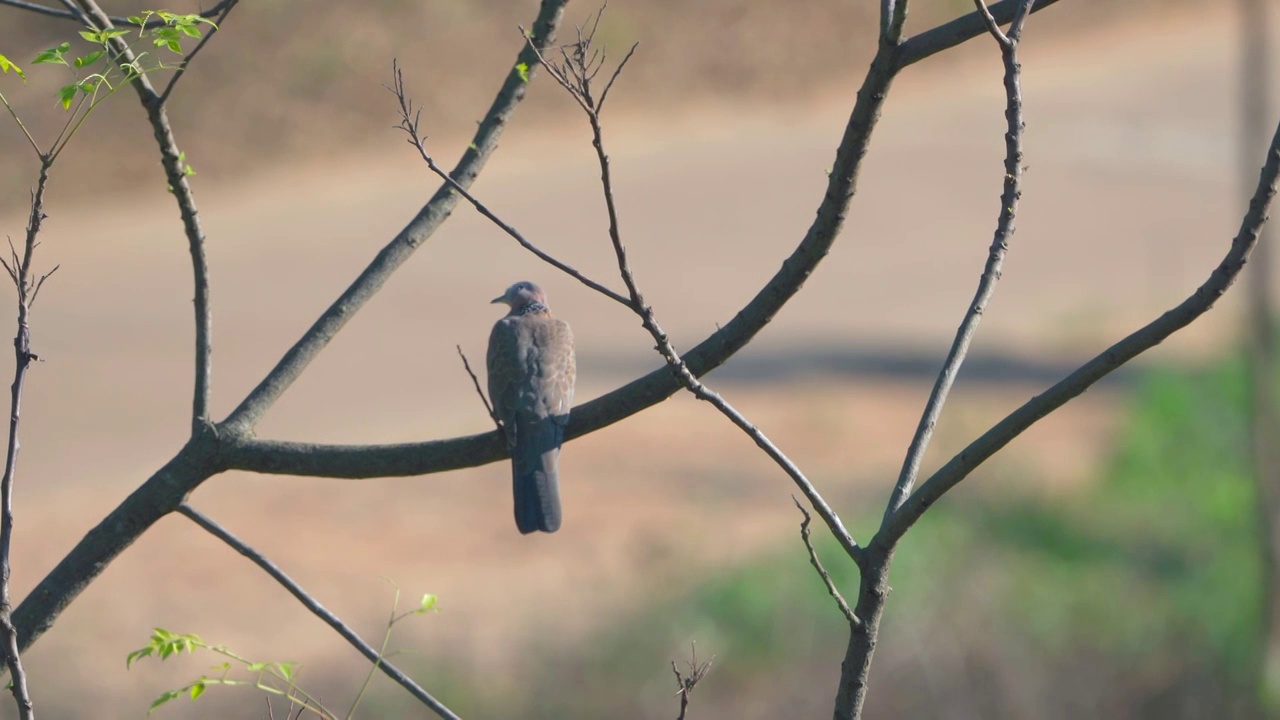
<point x="536" y="478"/>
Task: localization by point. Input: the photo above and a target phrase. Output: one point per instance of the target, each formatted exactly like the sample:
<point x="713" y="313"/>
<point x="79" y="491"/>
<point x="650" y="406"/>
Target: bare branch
<point x="228" y="6"/>
<point x="1020" y="14"/>
<point x="476" y="382"/>
<point x="822" y="571"/>
<point x="396" y="252"/>
<point x="962" y="29"/>
<point x="121" y="21"/>
<point x="40" y="283"/>
<point x="171" y="158"/>
<point x="1141" y="340"/>
<point x="318" y="610"/>
<point x="688" y="680"/>
<point x="409" y="124"/>
<point x="1009" y="198"/>
<point x="22" y="357"/>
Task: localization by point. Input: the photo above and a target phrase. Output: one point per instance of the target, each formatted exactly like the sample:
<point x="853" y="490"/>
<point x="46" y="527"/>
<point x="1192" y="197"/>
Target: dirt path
<point x="1130" y="198"/>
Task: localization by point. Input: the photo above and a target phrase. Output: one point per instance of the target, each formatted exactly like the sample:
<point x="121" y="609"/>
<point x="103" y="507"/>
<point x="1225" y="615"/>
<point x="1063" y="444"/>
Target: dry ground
<point x="1131" y="197"/>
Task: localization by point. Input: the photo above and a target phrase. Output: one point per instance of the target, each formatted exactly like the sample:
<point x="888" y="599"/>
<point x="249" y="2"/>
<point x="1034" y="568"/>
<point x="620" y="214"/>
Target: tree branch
<point x="418" y="230"/>
<point x="1009" y="197"/>
<point x="822" y="571"/>
<point x="172" y="159"/>
<point x="161" y="494"/>
<point x="27" y="287"/>
<point x="1141" y="340"/>
<point x="962" y="29"/>
<point x="120" y="21"/>
<point x="228" y="6"/>
<point x="319" y="611"/>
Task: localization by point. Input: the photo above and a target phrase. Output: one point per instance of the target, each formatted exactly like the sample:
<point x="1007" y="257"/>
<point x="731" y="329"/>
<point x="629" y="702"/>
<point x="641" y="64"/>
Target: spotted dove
<point x="531" y="374"/>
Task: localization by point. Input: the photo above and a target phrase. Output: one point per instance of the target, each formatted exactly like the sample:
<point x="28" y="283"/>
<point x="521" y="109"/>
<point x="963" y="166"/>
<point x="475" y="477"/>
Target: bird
<point x="532" y="369"/>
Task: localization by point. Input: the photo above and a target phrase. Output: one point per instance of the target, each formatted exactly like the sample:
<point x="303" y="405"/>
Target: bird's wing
<point x="559" y="368"/>
<point x="503" y="365"/>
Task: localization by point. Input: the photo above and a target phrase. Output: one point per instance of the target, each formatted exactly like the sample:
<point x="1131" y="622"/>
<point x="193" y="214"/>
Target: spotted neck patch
<point x="532" y="308"/>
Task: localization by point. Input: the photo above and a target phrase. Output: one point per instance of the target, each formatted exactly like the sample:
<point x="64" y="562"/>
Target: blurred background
<point x="1105" y="564"/>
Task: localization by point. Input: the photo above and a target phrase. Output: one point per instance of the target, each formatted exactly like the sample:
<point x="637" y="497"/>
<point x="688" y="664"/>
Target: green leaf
<point x="53" y="56"/>
<point x="166" y="697"/>
<point x="88" y="59"/>
<point x="190" y="30"/>
<point x="522" y="69"/>
<point x="427" y="603"/>
<point x="113" y="32"/>
<point x="255" y="667"/>
<point x="6" y="65"/>
<point x="91" y="35"/>
<point x="197" y="689"/>
<point x="66" y="94"/>
<point x="174" y="46"/>
<point x="137" y="655"/>
<point x="286" y="670"/>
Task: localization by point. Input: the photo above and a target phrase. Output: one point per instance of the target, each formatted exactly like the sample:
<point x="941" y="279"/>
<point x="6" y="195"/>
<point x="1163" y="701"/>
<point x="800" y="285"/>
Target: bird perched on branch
<point x="531" y="374"/>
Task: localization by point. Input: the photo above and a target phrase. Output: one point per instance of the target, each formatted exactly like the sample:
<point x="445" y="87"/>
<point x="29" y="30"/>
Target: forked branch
<point x="1010" y="195"/>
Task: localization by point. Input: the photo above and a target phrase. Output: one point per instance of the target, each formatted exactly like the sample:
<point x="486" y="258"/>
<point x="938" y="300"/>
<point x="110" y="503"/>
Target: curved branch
<point x="1147" y="337"/>
<point x="172" y="159"/>
<point x="396" y="252"/>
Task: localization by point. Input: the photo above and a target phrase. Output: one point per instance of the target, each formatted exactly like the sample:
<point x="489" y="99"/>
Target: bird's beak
<point x="500" y="298"/>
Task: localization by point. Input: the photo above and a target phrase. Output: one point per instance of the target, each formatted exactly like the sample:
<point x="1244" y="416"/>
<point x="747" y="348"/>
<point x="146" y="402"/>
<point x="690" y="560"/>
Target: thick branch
<point x="962" y="29"/>
<point x="319" y="611"/>
<point x="157" y="497"/>
<point x="1150" y="335"/>
<point x="1009" y="197"/>
<point x="432" y="215"/>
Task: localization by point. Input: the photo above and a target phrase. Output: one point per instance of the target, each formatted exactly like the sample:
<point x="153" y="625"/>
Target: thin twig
<point x="318" y="610"/>
<point x="228" y="6"/>
<point x="476" y="381"/>
<point x="1009" y="197"/>
<point x="822" y="571"/>
<point x="686" y="682"/>
<point x="121" y="21"/>
<point x="409" y="124"/>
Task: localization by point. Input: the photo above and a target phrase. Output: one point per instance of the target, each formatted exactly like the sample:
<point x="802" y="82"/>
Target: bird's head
<point x="522" y="295"/>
